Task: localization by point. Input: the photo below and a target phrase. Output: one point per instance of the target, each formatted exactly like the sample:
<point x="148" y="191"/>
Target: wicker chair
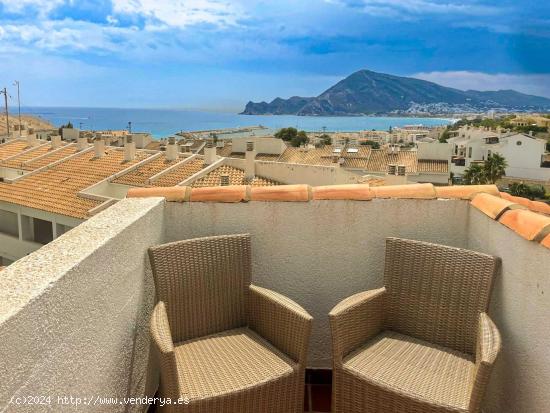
<point x="423" y="343"/>
<point x="225" y="346"/>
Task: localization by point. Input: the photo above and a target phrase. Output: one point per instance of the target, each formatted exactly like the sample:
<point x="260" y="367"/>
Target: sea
<point x="165" y="122"/>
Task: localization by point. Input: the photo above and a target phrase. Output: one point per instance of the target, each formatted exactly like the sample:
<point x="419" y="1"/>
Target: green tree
<point x="325" y="139"/>
<point x="300" y="139"/>
<point x="527" y="191"/>
<point x="474" y="175"/>
<point x="286" y="134"/>
<point x="444" y="136"/>
<point x="372" y="144"/>
<point x="494" y="167"/>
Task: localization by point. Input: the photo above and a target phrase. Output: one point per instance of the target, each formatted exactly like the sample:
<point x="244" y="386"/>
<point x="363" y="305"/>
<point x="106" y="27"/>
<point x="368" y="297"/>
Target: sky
<point x="218" y="54"/>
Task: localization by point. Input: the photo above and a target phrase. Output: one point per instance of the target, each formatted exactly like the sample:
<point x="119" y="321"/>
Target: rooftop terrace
<point x="74" y="314"/>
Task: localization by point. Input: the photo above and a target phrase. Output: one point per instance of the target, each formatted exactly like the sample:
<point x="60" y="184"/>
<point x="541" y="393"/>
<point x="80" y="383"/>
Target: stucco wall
<point x="319" y="253"/>
<point x="292" y="173"/>
<point x="74" y="314"/>
<point x="521" y="309"/>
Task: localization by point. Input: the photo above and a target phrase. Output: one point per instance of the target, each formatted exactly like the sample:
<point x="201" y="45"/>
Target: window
<point x="470" y="152"/>
<point x="518" y="143"/>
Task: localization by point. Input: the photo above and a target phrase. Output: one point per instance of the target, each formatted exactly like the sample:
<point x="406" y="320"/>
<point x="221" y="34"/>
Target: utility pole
<point x="16" y="83"/>
<point x="5" y="93"/>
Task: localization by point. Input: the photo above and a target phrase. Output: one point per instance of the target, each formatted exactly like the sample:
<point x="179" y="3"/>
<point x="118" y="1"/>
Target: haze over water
<point x="163" y="122"/>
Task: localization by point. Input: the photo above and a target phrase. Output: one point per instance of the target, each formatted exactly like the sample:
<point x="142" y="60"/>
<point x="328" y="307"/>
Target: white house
<point x="524" y="153"/>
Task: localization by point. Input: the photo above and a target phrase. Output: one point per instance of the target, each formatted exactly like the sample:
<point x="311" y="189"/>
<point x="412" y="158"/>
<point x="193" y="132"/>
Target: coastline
<point x="165" y="122"/>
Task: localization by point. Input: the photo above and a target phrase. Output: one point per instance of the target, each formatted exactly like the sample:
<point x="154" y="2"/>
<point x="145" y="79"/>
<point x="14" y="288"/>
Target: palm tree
<point x="495" y="167"/>
<point x="474" y="175"/>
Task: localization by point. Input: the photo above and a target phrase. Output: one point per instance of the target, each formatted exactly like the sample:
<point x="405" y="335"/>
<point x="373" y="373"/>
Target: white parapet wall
<point x="520" y="308"/>
<point x="74" y="314"/>
<point x="293" y="173"/>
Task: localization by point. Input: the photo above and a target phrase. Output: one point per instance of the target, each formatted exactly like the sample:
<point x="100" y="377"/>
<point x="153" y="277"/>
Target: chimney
<point x="250" y="165"/>
<point x="391" y="169"/>
<point x="210" y="153"/>
<point x="171" y="149"/>
<point x="55" y="141"/>
<point x="81" y="143"/>
<point x="224" y="180"/>
<point x="401" y="170"/>
<point x="99" y="147"/>
<point x="187" y="147"/>
<point x="31" y="140"/>
<point x="129" y="149"/>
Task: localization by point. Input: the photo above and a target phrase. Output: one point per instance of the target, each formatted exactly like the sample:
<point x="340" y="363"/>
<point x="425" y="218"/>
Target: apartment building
<point x="524" y="153"/>
<point x="415" y="165"/>
<point x="531" y="120"/>
<point x="50" y="187"/>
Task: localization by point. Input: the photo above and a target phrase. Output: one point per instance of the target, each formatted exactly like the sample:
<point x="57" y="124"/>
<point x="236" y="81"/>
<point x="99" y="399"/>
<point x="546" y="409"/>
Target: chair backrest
<point x="435" y="293"/>
<point x="204" y="283"/>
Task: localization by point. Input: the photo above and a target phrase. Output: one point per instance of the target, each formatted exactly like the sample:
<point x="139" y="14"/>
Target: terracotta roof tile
<point x="493" y="206"/>
<point x="56" y="189"/>
<point x="236" y="177"/>
<point x="528" y="224"/>
<point x="59" y="154"/>
<point x="12" y="148"/>
<point x="231" y="193"/>
<point x="140" y="175"/>
<point x="358" y="192"/>
<point x="26" y="155"/>
<point x="535" y="206"/>
<point x="180" y="173"/>
<point x="412" y="191"/>
<point x="295" y="193"/>
<point x="465" y="191"/>
<point x="173" y="193"/>
<point x="546" y="242"/>
<point x="380" y="158"/>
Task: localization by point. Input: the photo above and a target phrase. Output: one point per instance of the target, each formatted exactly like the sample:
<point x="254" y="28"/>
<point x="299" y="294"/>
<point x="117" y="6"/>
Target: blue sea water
<point x="164" y="122"/>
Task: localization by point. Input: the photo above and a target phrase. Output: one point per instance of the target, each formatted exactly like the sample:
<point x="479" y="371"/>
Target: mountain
<point x="366" y="92"/>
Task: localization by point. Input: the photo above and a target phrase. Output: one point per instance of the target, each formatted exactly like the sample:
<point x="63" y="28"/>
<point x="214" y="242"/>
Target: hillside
<point x="366" y="92"/>
<point x="29" y="121"/>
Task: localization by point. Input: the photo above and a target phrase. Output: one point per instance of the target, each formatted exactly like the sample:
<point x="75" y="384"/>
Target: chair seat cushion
<point x="227" y="362"/>
<point x="414" y="369"/>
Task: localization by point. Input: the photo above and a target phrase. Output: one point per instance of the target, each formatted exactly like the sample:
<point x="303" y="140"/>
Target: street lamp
<point x="16" y="83"/>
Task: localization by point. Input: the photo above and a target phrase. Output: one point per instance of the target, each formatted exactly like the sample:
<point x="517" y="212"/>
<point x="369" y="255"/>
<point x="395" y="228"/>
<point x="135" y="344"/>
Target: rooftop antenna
<point x="5" y="93"/>
<point x="16" y="83"/>
<point x="130" y="127"/>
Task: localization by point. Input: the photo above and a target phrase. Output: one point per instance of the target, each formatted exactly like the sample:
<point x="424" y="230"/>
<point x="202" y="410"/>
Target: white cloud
<point x="534" y="84"/>
<point x="43" y="7"/>
<point x="182" y="13"/>
<point x="404" y="8"/>
<point x="64" y="35"/>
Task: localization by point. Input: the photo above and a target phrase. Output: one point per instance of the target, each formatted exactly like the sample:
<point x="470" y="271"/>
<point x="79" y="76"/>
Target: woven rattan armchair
<point x="225" y="346"/>
<point x="423" y="343"/>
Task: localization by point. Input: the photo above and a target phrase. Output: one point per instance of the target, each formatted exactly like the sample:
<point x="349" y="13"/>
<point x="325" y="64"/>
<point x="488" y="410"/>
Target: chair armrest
<point x="281" y="321"/>
<point x="488" y="347"/>
<point x="162" y="338"/>
<point x="355" y="320"/>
